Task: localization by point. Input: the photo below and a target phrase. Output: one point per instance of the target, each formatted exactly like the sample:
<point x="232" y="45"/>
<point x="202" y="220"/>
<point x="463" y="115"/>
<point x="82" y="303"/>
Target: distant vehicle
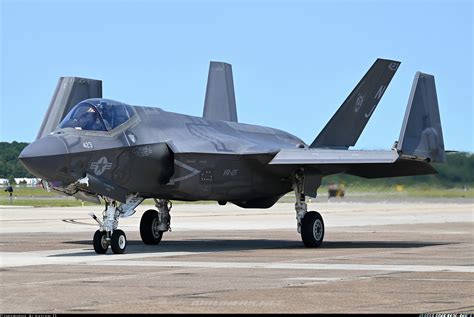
<point x="336" y="190"/>
<point x="93" y="148"/>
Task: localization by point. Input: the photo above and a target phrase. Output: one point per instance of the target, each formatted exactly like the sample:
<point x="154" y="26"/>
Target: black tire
<point x="118" y="242"/>
<point x="312" y="230"/>
<point x="149" y="228"/>
<point x="99" y="242"/>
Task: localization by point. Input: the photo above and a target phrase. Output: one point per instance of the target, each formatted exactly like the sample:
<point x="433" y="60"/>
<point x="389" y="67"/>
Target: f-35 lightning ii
<point x="99" y="149"/>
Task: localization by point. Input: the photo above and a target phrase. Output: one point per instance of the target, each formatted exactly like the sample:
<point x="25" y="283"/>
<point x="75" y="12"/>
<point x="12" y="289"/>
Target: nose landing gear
<point x="152" y="225"/>
<point x="108" y="234"/>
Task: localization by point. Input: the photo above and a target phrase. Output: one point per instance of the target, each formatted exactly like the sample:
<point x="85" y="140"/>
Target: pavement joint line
<point x="67" y="257"/>
<point x="291" y="266"/>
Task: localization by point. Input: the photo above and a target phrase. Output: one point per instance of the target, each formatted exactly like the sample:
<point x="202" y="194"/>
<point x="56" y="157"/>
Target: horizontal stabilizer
<point x="345" y="127"/>
<point x="220" y="97"/>
<point x="328" y="156"/>
<point x="368" y="164"/>
<point x="401" y="167"/>
<point x="421" y="136"/>
<point x="69" y="91"/>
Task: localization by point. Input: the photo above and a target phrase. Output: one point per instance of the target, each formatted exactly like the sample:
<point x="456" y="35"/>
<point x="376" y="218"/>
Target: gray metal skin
<point x="358" y="107"/>
<point x="219" y="103"/>
<point x="180" y="157"/>
<point x="170" y="156"/>
<point x="422" y="101"/>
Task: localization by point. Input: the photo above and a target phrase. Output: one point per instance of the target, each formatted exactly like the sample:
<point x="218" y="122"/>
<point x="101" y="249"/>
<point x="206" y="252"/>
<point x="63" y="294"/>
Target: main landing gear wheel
<point x="100" y="242"/>
<point x="312" y="229"/>
<point x="118" y="242"/>
<point x="149" y="228"/>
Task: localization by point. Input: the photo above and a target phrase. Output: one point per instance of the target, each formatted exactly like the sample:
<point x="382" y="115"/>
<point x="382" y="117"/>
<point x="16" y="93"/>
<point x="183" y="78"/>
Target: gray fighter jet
<point x="98" y="149"/>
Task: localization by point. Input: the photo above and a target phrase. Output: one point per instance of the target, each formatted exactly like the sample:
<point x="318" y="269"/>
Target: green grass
<point x="63" y="202"/>
<point x="30" y="192"/>
<point x="38" y="197"/>
<point x="72" y="202"/>
<point x="440" y="193"/>
<point x="412" y="191"/>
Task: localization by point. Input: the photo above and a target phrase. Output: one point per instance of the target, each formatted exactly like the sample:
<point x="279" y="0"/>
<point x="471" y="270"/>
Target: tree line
<point x="458" y="171"/>
<point x="10" y="166"/>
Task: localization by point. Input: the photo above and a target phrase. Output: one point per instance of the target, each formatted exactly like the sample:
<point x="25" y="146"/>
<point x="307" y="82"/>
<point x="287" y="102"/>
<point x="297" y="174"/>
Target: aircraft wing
<point x="367" y="164"/>
<point x="329" y="156"/>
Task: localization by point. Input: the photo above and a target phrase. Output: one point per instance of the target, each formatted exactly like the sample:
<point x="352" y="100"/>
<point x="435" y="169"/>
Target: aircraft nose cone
<point x="44" y="157"/>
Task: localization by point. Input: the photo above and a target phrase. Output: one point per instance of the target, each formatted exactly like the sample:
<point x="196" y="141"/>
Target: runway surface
<point x="377" y="257"/>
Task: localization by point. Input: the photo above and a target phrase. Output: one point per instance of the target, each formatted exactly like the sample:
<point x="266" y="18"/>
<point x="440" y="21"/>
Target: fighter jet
<point x="102" y="150"/>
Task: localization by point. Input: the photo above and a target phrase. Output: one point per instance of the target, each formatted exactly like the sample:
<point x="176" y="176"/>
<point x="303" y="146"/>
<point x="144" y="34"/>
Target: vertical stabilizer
<point x="69" y="91"/>
<point x="220" y="97"/>
<point x="421" y="136"/>
<point x="345" y="127"/>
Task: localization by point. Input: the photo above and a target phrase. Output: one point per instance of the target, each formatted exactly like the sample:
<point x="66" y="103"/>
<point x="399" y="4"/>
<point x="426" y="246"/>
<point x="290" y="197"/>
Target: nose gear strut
<point x="108" y="234"/>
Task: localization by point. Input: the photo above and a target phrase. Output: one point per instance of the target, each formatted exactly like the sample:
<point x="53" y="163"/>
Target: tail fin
<point x="220" y="97"/>
<point x="69" y="91"/>
<point x="421" y="136"/>
<point x="345" y="127"/>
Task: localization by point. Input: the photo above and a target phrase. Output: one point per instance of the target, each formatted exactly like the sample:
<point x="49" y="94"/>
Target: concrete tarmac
<point x="392" y="257"/>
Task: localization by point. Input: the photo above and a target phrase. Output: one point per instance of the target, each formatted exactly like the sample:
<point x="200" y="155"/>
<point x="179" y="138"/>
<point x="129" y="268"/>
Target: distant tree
<point x="456" y="172"/>
<point x="10" y="166"/>
<point x="11" y="180"/>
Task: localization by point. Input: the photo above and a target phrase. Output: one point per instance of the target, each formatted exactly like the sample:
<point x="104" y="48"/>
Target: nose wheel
<point x="100" y="242"/>
<point x="117" y="242"/>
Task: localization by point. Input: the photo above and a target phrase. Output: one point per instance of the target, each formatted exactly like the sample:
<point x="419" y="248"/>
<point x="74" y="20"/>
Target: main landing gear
<point x="310" y="224"/>
<point x="152" y="225"/>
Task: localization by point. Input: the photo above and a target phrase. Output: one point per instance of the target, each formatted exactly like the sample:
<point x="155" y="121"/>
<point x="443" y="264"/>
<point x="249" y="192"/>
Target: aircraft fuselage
<point x="154" y="154"/>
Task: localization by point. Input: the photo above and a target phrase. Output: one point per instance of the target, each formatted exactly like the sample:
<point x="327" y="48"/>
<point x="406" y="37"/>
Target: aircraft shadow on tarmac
<point x="205" y="245"/>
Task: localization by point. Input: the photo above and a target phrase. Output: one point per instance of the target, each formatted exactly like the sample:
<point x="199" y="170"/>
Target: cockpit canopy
<point x="97" y="115"/>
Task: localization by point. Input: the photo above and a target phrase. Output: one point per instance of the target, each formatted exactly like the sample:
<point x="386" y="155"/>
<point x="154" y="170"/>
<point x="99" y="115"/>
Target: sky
<point x="294" y="62"/>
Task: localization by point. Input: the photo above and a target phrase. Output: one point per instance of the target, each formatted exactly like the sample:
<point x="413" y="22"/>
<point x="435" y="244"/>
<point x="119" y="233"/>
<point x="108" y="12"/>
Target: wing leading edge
<point x="329" y="156"/>
<point x="367" y="164"/>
